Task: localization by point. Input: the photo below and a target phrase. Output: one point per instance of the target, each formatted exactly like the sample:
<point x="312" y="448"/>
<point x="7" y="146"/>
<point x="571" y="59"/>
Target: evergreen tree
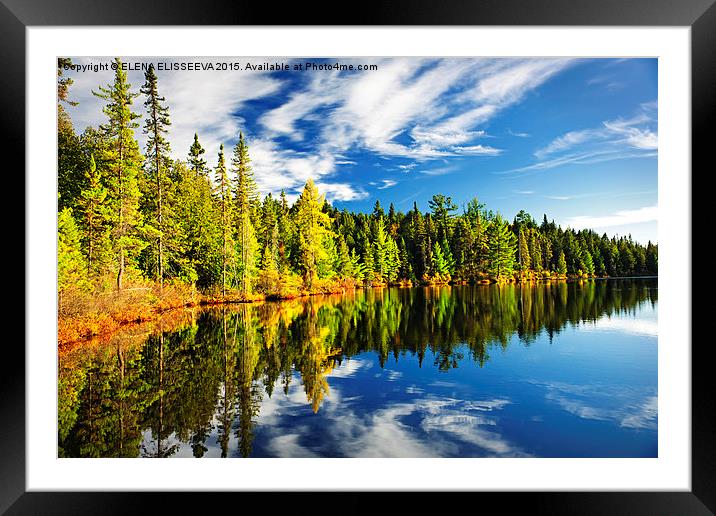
<point x="70" y="159"/>
<point x="246" y="202"/>
<point x="196" y="162"/>
<point x="368" y="260"/>
<point x="561" y="264"/>
<point x="392" y="260"/>
<point x="652" y="259"/>
<point x="442" y="208"/>
<point x="588" y="263"/>
<point x="223" y="192"/>
<point x="501" y="248"/>
<point x="124" y="163"/>
<point x="524" y="258"/>
<point x="156" y="127"/>
<point x="536" y="251"/>
<point x="380" y="251"/>
<point x="71" y="266"/>
<point x="312" y="225"/>
<point x="440" y="265"/>
<point x="95" y="221"/>
<point x="198" y="251"/>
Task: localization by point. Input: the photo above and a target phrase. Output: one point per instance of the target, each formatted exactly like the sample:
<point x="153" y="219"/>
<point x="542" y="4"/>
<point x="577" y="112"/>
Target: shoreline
<point x="98" y="325"/>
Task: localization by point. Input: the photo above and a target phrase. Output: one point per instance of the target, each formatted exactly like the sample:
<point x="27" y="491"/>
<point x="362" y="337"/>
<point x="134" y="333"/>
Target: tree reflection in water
<point x="144" y="391"/>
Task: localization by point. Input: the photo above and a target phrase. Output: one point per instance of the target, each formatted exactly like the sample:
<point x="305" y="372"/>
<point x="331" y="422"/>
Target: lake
<point x="547" y="370"/>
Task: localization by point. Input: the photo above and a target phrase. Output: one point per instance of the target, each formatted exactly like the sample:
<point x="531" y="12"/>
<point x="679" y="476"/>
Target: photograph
<point x="351" y="257"/>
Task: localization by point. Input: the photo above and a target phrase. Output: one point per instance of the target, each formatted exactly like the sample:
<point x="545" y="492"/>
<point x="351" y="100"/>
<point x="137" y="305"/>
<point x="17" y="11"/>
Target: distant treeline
<point x="127" y="217"/>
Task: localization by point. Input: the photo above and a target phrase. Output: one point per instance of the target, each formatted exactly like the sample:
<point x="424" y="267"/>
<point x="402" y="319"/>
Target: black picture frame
<point x="699" y="15"/>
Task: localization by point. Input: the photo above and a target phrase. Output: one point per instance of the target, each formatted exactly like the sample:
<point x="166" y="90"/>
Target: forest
<point x="140" y="231"/>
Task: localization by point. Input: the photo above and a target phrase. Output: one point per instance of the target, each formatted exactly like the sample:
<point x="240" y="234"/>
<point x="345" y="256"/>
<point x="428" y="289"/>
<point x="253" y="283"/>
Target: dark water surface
<point x="552" y="370"/>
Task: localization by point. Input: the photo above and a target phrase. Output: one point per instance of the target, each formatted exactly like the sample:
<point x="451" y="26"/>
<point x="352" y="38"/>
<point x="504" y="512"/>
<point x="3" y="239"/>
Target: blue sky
<point x="573" y="138"/>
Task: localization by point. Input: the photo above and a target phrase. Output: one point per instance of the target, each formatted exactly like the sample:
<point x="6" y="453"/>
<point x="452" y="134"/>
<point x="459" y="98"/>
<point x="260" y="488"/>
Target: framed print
<point x="416" y="254"/>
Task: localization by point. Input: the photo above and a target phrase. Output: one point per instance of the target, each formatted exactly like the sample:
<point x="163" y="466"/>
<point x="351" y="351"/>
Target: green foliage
<point x="71" y="264"/>
<point x="196" y="162"/>
<point x="201" y="382"/>
<point x="123" y="162"/>
<point x="441" y="266"/>
<point x="156" y="128"/>
<point x="501" y="249"/>
<point x="95" y="221"/>
<point x="561" y="264"/>
<point x="246" y="199"/>
<point x="313" y="226"/>
<point x="154" y="218"/>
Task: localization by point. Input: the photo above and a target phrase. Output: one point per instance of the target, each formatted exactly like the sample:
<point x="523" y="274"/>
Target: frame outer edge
<point x="703" y="112"/>
<point x="12" y="377"/>
<point x="12" y="104"/>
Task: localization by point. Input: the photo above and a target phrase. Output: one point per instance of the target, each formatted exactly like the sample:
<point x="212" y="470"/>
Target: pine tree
<point x="71" y="162"/>
<point x="368" y="259"/>
<point x="246" y="201"/>
<point x="588" y="263"/>
<point x="561" y="264"/>
<point x="501" y="248"/>
<point x="156" y="127"/>
<point x="652" y="258"/>
<point x="285" y="232"/>
<point x="95" y="220"/>
<point x="223" y="192"/>
<point x="439" y="264"/>
<point x="536" y="253"/>
<point x="71" y="265"/>
<point x="380" y="251"/>
<point x="392" y="260"/>
<point x="442" y="208"/>
<point x="199" y="229"/>
<point x="124" y="162"/>
<point x="312" y="224"/>
<point x="448" y="256"/>
<point x="196" y="162"/>
<point x="406" y="269"/>
<point x="523" y="252"/>
<point x="342" y="265"/>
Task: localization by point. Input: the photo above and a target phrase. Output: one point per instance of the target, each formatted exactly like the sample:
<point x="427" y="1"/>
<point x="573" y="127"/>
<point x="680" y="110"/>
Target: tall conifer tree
<point x="246" y="207"/>
<point x="124" y="162"/>
<point x="156" y="127"/>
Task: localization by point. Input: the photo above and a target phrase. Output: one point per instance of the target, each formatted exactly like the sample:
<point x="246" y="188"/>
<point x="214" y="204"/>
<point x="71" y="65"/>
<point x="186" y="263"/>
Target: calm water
<point x="560" y="370"/>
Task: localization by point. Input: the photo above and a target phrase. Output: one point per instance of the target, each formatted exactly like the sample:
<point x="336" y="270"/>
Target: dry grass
<point x="82" y="315"/>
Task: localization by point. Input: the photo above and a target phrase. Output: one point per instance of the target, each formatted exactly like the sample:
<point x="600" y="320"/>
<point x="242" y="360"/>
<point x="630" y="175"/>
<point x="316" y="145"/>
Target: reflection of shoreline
<point x="169" y="320"/>
<point x="85" y="326"/>
<point x="173" y="318"/>
<point x="173" y="376"/>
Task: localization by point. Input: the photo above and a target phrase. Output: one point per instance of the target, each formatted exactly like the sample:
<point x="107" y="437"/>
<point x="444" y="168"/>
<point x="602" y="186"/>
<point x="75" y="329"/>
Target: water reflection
<point x="201" y="383"/>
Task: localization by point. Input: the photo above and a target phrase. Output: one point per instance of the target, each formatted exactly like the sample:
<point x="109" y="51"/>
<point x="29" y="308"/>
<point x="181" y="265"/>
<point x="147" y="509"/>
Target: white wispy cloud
<point x="623" y="406"/>
<point x="607" y="82"/>
<point x="622" y="138"/>
<point x="620" y="218"/>
<point x="205" y="102"/>
<point x="415" y="99"/>
<point x="569" y="140"/>
<point x="384" y="183"/>
<point x="341" y="191"/>
<point x="518" y="134"/>
<point x="406" y="109"/>
<point x="440" y="171"/>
